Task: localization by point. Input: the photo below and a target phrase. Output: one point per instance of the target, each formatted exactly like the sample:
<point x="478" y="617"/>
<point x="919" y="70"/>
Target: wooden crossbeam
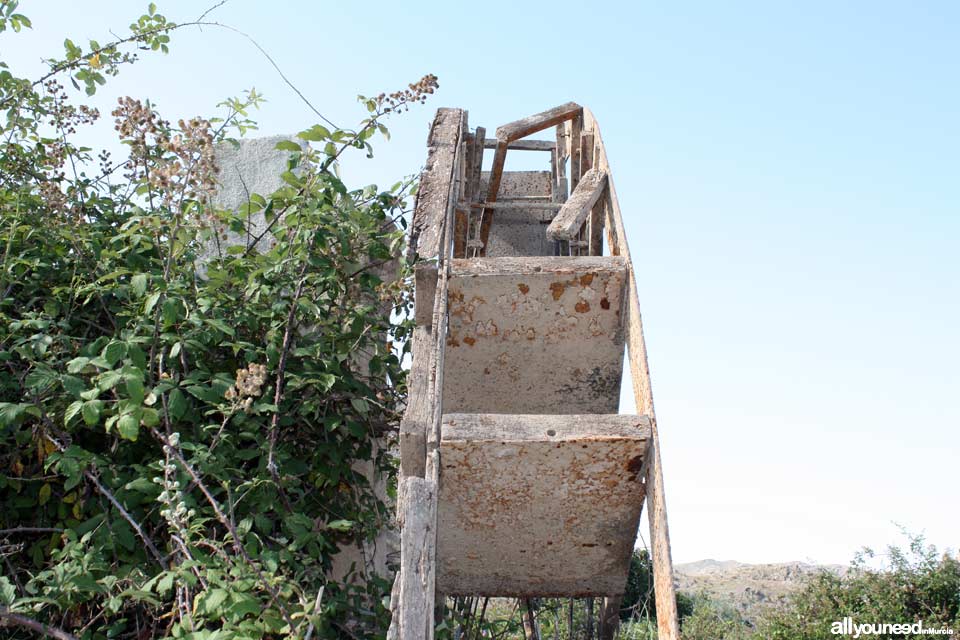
<point x="569" y="220"/>
<point x="524" y="145"/>
<point x="538" y="122"/>
<point x="517" y="204"/>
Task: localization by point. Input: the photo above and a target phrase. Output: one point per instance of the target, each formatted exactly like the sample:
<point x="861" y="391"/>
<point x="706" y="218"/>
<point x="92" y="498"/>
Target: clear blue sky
<point x="788" y="175"/>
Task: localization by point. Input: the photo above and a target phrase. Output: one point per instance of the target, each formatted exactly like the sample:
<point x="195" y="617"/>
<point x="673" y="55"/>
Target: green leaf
<point x="114" y="351"/>
<point x="151" y="302"/>
<point x="73" y="385"/>
<point x="135" y="388"/>
<point x="213" y="599"/>
<point x="165" y="584"/>
<point x="176" y="404"/>
<point x="139" y="284"/>
<point x="220" y="325"/>
<point x="340" y="525"/>
<point x="72" y="412"/>
<point x="77" y="365"/>
<point x="128" y="426"/>
<point x="8" y="592"/>
<point x="41" y="379"/>
<point x="44" y="496"/>
<point x="9" y="413"/>
<point x="288" y="145"/>
<point x="91" y="412"/>
<point x="316" y="133"/>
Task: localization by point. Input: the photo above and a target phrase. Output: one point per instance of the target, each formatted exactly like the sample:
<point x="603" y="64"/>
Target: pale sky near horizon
<point x="788" y="177"/>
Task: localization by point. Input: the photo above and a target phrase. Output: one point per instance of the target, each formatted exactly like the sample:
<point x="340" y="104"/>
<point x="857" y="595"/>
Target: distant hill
<point x="747" y="587"/>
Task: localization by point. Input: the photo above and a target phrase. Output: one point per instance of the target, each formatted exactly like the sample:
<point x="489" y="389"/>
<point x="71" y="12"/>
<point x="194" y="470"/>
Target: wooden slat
<point x="418" y="413"/>
<point x="436" y="182"/>
<point x="493" y="188"/>
<point x="566" y="225"/>
<point x="476" y="166"/>
<point x="576" y="126"/>
<point x="538" y="122"/>
<point x="462" y="215"/>
<point x="668" y="626"/>
<point x="560" y="166"/>
<point x="523" y="145"/>
<point x="517" y="204"/>
<point x="417" y="511"/>
<point x="597" y="215"/>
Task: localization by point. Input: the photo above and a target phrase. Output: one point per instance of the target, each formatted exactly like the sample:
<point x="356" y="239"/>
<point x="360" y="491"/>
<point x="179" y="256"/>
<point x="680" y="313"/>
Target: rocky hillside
<point x="748" y="587"/>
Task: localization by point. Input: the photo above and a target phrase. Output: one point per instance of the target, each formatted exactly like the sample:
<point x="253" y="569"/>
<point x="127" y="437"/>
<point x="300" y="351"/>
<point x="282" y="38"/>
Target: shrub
<point x="915" y="583"/>
<point x="180" y="438"/>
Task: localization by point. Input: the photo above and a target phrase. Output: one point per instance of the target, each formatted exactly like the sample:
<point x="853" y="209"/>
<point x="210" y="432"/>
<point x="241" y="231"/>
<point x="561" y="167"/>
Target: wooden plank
<point x="419" y="411"/>
<point x="538" y="122"/>
<point x="417" y="511"/>
<point x="473" y="181"/>
<point x="462" y="215"/>
<point x="523" y="145"/>
<point x="496" y="175"/>
<point x="518" y="204"/>
<point x="597" y="215"/>
<point x="436" y="182"/>
<point x="560" y="176"/>
<point x="569" y="220"/>
<point x="576" y="126"/>
<point x="668" y="626"/>
<point x="586" y="152"/>
<point x="425" y="283"/>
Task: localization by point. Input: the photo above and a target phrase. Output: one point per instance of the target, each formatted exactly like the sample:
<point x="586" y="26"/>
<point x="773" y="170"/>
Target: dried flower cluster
<point x="178" y="163"/>
<point x="414" y="93"/>
<point x="64" y="118"/>
<point x="249" y="385"/>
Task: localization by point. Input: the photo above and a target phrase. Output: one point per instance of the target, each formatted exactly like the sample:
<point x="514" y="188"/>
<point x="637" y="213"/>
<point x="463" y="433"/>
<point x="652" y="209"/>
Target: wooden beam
<point x="517" y="204"/>
<point x="524" y="145"/>
<point x="496" y="175"/>
<point x="576" y="126"/>
<point x="668" y="626"/>
<point x="568" y="222"/>
<point x="437" y="181"/>
<point x="417" y="515"/>
<point x="538" y="122"/>
<point x="473" y="180"/>
<point x="461" y="216"/>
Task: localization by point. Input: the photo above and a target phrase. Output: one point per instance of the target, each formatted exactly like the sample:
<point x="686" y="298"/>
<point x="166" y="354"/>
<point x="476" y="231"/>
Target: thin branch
<point x="272" y="62"/>
<point x="281" y="370"/>
<point x="211" y="10"/>
<point x="33" y="625"/>
<point x="92" y="477"/>
<point x="237" y="543"/>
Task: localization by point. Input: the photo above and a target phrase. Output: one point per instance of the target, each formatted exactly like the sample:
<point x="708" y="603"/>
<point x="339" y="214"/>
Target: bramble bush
<point x="182" y="434"/>
<point x="916" y="583"/>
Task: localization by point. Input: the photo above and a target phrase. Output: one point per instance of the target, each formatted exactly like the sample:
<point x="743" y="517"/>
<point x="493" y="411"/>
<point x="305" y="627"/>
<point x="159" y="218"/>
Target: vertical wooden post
<point x="575" y="126"/>
<point x="417" y="508"/>
<point x="609" y="618"/>
<point x="496" y="174"/>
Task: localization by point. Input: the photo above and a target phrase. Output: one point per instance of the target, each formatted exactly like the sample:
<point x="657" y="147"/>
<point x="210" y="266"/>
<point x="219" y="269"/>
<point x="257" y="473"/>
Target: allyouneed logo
<point x="847" y="627"/>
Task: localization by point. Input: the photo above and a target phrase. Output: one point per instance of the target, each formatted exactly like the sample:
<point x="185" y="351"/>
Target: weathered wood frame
<point x="454" y="158"/>
<point x="432" y="236"/>
<point x="668" y="626"/>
